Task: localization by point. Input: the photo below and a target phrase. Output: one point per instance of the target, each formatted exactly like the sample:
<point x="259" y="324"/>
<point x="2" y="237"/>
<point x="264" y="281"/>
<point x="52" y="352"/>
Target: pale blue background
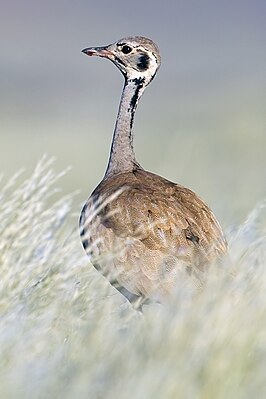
<point x="200" y="123"/>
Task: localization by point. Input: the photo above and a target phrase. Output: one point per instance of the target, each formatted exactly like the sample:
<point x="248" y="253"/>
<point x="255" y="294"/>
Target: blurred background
<point x="201" y="122"/>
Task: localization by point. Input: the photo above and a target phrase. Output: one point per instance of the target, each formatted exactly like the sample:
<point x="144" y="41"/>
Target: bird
<point x="143" y="232"/>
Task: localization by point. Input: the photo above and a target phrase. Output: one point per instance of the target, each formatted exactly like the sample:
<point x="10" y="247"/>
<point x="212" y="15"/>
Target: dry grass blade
<point x="65" y="333"/>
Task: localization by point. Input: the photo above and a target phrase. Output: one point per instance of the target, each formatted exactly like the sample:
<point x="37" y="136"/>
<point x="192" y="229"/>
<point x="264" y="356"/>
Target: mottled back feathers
<point x="156" y="226"/>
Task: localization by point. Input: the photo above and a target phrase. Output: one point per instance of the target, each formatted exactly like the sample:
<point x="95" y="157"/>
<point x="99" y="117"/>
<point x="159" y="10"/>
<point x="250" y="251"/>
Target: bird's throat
<point x="122" y="156"/>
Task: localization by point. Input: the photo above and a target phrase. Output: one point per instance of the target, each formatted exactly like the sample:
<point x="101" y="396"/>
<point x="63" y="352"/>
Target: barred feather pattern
<point x="144" y="233"/>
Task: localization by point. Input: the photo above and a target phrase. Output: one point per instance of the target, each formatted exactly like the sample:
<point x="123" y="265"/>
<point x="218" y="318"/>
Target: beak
<point x="99" y="51"/>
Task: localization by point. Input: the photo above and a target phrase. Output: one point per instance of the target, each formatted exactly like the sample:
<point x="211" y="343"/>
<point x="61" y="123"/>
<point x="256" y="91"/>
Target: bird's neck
<point x="122" y="156"/>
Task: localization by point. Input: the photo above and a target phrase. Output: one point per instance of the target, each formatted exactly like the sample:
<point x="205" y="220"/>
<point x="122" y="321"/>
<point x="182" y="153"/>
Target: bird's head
<point x="136" y="57"/>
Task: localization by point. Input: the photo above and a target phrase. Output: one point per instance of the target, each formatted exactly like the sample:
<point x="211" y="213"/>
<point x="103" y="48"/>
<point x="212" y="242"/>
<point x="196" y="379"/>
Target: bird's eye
<point x="126" y="49"/>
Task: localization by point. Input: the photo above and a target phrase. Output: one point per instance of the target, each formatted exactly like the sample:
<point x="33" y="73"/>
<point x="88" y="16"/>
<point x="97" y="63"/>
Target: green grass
<point x="65" y="333"/>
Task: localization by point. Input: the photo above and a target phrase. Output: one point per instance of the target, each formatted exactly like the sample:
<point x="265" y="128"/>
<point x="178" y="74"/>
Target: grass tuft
<point x="65" y="333"/>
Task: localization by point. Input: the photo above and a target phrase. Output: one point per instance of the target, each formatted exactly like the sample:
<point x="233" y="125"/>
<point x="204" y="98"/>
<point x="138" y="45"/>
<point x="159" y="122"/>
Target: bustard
<point x="140" y="230"/>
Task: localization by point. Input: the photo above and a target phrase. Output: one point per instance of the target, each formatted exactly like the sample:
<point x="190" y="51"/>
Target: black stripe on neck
<point x="139" y="83"/>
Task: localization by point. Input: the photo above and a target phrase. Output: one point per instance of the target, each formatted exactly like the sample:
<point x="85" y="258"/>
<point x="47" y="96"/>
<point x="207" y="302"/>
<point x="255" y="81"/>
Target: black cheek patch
<point x="143" y="62"/>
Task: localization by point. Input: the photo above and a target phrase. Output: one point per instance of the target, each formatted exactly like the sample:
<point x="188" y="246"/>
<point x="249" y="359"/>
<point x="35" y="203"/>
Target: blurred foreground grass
<point x="65" y="333"/>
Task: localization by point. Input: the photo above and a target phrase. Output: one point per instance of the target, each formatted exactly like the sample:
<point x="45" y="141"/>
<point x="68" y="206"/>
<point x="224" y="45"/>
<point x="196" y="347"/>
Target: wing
<point x="164" y="216"/>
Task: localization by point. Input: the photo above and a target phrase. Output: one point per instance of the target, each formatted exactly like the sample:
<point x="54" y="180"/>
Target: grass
<point x="65" y="333"/>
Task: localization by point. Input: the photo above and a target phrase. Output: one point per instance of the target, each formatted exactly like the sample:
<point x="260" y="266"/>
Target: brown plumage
<point x="140" y="230"/>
